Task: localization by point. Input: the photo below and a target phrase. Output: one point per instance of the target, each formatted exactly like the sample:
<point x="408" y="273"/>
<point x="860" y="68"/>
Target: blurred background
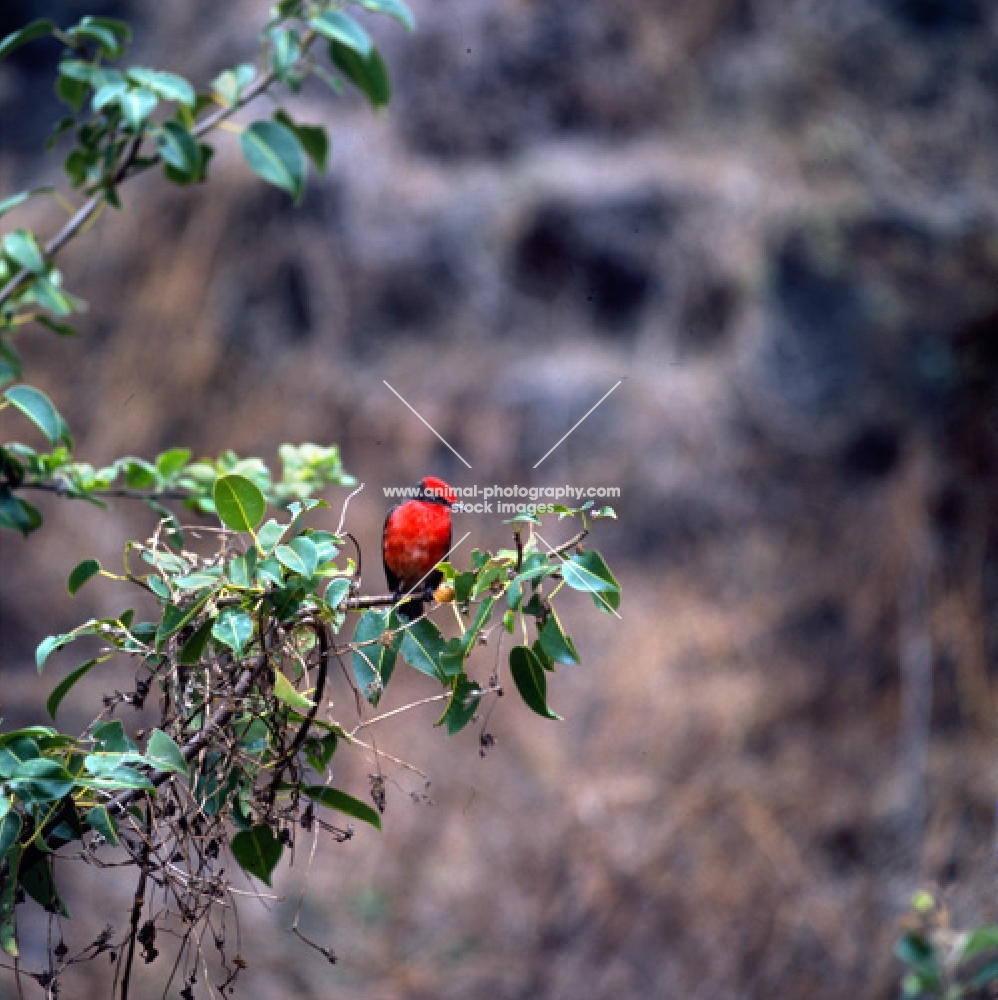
<point x="776" y="224"/>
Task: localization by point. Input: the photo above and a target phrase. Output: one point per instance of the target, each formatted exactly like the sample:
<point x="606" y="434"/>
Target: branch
<point x="374" y="601"/>
<point x="570" y="544"/>
<point x="387" y="600"/>
<point x="128" y="168"/>
<point x="196" y="743"/>
<point x="138" y="903"/>
<point x="119" y="492"/>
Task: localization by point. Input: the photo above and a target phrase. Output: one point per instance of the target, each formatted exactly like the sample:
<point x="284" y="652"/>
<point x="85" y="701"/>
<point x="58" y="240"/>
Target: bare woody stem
<point x="219" y="720"/>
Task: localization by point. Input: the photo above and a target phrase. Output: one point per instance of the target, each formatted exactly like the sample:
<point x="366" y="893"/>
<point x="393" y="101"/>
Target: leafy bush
<point x="253" y="603"/>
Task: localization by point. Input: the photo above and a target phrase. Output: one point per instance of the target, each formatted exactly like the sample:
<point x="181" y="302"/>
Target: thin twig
<point x="129" y="169"/>
<point x="200" y="740"/>
<point x="137" y="906"/>
<point x="65" y="490"/>
<point x="443" y="696"/>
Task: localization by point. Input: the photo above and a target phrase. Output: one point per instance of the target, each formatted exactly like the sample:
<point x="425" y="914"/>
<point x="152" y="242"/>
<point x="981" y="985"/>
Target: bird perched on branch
<point x="417" y="536"/>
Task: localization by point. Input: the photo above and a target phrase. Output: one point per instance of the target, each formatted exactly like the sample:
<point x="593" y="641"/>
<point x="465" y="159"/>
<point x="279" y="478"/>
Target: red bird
<point x="417" y="535"/>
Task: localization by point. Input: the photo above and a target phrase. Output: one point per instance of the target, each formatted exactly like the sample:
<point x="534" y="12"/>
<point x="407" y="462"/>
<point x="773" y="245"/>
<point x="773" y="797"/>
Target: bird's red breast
<point x="417" y="536"/>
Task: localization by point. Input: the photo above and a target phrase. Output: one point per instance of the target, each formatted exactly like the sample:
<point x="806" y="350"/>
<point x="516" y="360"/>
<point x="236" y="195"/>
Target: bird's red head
<point x="437" y="490"/>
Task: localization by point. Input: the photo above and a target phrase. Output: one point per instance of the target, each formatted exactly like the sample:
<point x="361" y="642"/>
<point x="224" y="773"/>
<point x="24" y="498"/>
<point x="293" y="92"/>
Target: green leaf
<point x="38" y="408"/>
<point x="452" y="659"/>
<point x="485" y="580"/>
<point x="22" y="248"/>
<point x="99" y="819"/>
<point x="9" y="204"/>
<point x="344" y="31"/>
<point x="110" y="737"/>
<point x="269" y="571"/>
<point x="39" y="883"/>
<point x="985" y="977"/>
<point x="333" y="798"/>
<point x="8" y="916"/>
<point x="230" y="84"/>
<point x="393" y="8"/>
<point x="320" y="752"/>
<point x="81" y="573"/>
<point x="41" y="780"/>
<point x="109" y="91"/>
<point x="119" y="29"/>
<point x="463" y="584"/>
<point x="137" y="105"/>
<point x="514" y="593"/>
<point x="17" y="514"/>
<point x="285" y="691"/>
<point x="530" y="680"/>
<point x="196" y="581"/>
<point x="234" y="629"/>
<point x="290" y="559"/>
<point x="63" y="688"/>
<point x="269" y="535"/>
<point x="180" y="150"/>
<point x="313" y="138"/>
<point x="373" y="664"/>
<point x="239" y="502"/>
<point x="367" y="72"/>
<point x="257" y="851"/>
<point x="240" y="571"/>
<point x="273" y="151"/>
<point x="165" y="752"/>
<point x="462" y="705"/>
<point x="305" y="552"/>
<point x="176" y="616"/>
<point x="171" y="462"/>
<point x="71" y="92"/>
<point x="10" y="363"/>
<point x="10" y="830"/>
<point x="339" y="587"/>
<point x="545" y="660"/>
<point x="119" y="779"/>
<point x="61" y="329"/>
<point x="978" y="941"/>
<point x="49" y="295"/>
<point x="166" y="86"/>
<point x="193" y="649"/>
<point x="285" y="51"/>
<point x="198" y="171"/>
<point x="555" y="643"/>
<point x="139" y="474"/>
<point x="95" y="33"/>
<point x="422" y="647"/>
<point x="590" y="573"/>
<point x="457" y="650"/>
<point x="36" y="29"/>
<point x="914" y="949"/>
<point x="49" y="645"/>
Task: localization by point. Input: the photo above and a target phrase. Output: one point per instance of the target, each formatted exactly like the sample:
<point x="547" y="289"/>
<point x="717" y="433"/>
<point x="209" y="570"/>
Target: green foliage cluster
<point x="942" y="963"/>
<point x="254" y="603"/>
